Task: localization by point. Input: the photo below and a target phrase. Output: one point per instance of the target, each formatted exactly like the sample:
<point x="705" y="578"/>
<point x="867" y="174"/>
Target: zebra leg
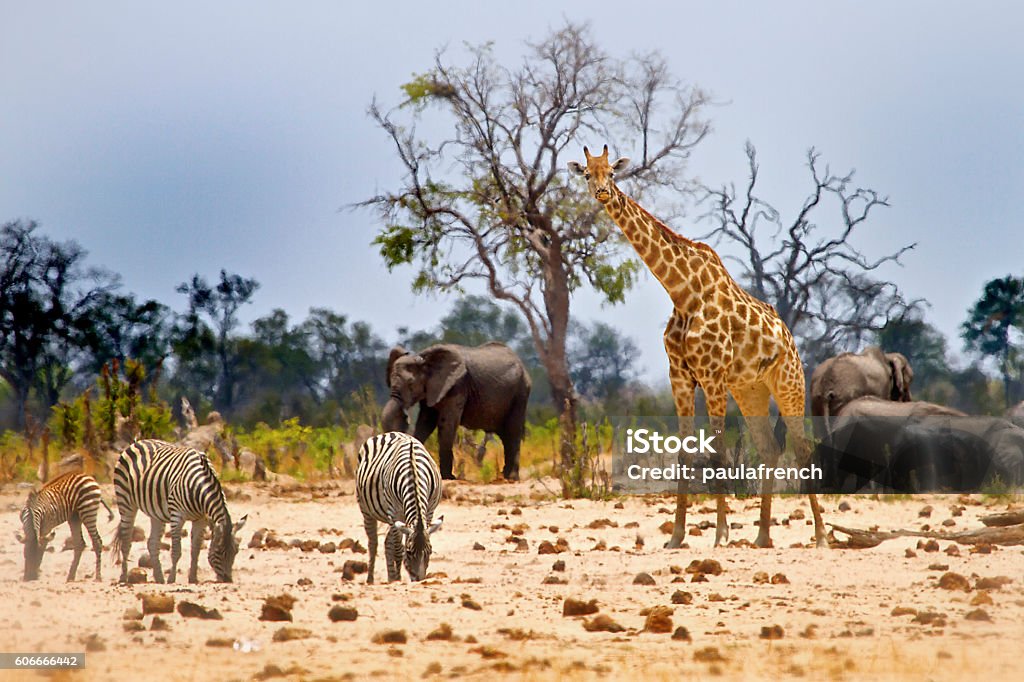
<point x="177" y="521"/>
<point x="370" y="524"/>
<point x="124" y="537"/>
<point x="156" y="531"/>
<point x="77" y="542"/>
<point x="97" y="545"/>
<point x="198" y="530"/>
<point x="394" y="552"/>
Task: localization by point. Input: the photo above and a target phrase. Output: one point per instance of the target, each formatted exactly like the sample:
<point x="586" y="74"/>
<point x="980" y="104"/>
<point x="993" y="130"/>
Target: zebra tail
<point x="116" y="546"/>
<point x="110" y="512"/>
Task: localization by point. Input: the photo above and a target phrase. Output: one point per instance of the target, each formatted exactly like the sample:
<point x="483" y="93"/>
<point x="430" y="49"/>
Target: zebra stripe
<point x="173" y="484"/>
<point x="398" y="483"/>
<point x="73" y="499"/>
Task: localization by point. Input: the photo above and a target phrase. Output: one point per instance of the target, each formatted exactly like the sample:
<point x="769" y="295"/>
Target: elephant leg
<point x="512" y="439"/>
<point x="77" y="543"/>
<point x="447" y="425"/>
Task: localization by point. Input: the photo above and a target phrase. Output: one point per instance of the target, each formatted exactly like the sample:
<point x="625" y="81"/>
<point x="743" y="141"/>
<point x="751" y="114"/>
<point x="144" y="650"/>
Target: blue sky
<point x="191" y="138"/>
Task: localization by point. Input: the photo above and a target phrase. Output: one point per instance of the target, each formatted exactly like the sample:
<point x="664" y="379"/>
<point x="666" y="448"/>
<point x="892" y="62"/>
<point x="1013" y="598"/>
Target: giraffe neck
<point x="682" y="266"/>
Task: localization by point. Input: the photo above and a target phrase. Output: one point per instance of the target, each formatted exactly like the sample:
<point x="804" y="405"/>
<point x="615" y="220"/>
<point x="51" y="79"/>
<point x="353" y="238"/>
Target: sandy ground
<point x="835" y="609"/>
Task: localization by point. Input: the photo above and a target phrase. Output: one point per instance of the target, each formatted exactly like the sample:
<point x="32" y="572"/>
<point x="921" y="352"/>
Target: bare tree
<point x="489" y="201"/>
<point x="820" y="283"/>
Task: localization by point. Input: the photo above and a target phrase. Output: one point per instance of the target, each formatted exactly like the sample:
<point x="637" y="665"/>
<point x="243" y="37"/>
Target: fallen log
<point x="1004" y="535"/>
<point x="1010" y="518"/>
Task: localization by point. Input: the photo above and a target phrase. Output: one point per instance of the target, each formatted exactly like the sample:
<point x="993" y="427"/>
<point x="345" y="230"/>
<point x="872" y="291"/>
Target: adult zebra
<point x="398" y="483"/>
<point x="173" y="484"/>
<point x="71" y="498"/>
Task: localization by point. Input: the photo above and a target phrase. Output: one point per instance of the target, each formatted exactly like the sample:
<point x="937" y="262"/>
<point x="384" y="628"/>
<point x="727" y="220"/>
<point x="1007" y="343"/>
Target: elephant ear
<point x="902" y="376"/>
<point x="396" y="353"/>
<point x="445" y="368"/>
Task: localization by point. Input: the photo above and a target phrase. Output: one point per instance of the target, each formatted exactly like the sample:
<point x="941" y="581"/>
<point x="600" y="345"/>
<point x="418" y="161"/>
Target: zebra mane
<point x="216" y="485"/>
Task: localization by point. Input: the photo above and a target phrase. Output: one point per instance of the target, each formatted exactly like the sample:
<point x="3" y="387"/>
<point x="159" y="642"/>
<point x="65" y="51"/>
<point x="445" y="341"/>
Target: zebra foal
<point x="398" y="483"/>
<point x="73" y="499"/>
<point x="173" y="484"/>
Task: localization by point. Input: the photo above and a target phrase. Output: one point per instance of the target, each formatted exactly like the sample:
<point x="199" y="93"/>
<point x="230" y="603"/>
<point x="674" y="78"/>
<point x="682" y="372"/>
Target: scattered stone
<point x="131" y="613"/>
<point x="797" y="515"/>
<point x="578" y="607"/>
<point x="938" y="567"/>
<point x="340" y="613"/>
<point x="390" y="637"/>
<point x="443" y="633"/>
<point x="954" y="581"/>
<point x="516" y="511"/>
<point x="682" y="634"/>
<point x="468" y="603"/>
<point x="910" y="554"/>
<point x="844" y="506"/>
<point x="983" y="598"/>
<point x="903" y="611"/>
<point x="304" y="582"/>
<point x="545" y="547"/>
<point x="644" y="579"/>
<point x="779" y="579"/>
<point x="602" y="523"/>
<point x="93" y="642"/>
<point x="328" y="548"/>
<point x="159" y="625"/>
<point x="256" y="541"/>
<point x="599" y="547"/>
<point x="619" y="505"/>
<point x="137" y="576"/>
<point x="220" y="642"/>
<point x="982" y="548"/>
<point x="351" y="568"/>
<point x="666" y="528"/>
<point x="157" y="603"/>
<point x="949" y="522"/>
<point x="978" y="614"/>
<point x="772" y="632"/>
<point x="478" y="547"/>
<point x="287" y="634"/>
<point x="602" y="623"/>
<point x="925" y="512"/>
<point x="145" y="561"/>
<point x="953" y="550"/>
<point x="554" y="580"/>
<point x="680" y="597"/>
<point x="278" y="608"/>
<point x="189" y="609"/>
<point x="705" y="566"/>
<point x="133" y="626"/>
<point x="932" y="618"/>
<point x="558" y="566"/>
<point x="699" y="578"/>
<point x="659" y="620"/>
<point x="992" y="583"/>
<point x="809" y="632"/>
<point x="931" y="546"/>
<point x="709" y="654"/>
<point x="522" y="545"/>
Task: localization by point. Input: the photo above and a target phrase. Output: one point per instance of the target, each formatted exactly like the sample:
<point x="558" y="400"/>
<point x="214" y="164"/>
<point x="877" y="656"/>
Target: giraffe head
<point x="599" y="173"/>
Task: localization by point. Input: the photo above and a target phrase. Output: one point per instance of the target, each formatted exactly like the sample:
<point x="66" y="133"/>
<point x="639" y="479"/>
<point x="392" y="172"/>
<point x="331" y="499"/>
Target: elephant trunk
<point x="392" y="417"/>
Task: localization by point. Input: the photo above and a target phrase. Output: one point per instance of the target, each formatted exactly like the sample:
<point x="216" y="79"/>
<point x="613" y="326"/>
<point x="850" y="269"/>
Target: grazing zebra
<point x="72" y="498"/>
<point x="398" y="483"/>
<point x="173" y="484"/>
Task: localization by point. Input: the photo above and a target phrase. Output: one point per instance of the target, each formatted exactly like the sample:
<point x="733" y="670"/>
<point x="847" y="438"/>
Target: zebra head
<point x="224" y="546"/>
<point x="35" y="546"/>
<point x="417" y="547"/>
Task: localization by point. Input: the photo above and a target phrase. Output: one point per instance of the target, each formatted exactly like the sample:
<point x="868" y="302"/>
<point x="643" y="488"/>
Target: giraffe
<point x="718" y="337"/>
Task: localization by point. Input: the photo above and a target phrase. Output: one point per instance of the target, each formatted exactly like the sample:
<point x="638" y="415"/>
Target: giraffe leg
<point x="791" y="408"/>
<point x="717" y="398"/>
<point x="683" y="389"/>
<point x="753" y="403"/>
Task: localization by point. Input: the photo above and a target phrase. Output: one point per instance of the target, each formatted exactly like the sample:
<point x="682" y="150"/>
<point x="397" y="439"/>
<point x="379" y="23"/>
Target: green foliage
<point x="995" y="325"/>
<point x="294" y="448"/>
<point x="397" y="245"/>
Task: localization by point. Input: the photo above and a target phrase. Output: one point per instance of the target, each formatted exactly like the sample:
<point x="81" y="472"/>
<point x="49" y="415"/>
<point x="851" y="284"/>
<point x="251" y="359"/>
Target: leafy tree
<point x="206" y="328"/>
<point x="119" y="327"/>
<point x="506" y="216"/>
<point x="603" y="361"/>
<point x="46" y="292"/>
<point x="994" y="327"/>
<point x="350" y="357"/>
<point x="808" y="266"/>
<point x="474" y="320"/>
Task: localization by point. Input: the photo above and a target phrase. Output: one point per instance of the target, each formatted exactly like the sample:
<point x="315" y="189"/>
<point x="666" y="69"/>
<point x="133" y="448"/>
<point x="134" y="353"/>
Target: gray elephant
<point x="484" y="387"/>
<point x="848" y="376"/>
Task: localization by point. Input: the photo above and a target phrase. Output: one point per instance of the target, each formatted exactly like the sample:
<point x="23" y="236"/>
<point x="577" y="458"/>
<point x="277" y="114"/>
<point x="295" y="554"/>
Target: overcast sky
<point x="202" y="136"/>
